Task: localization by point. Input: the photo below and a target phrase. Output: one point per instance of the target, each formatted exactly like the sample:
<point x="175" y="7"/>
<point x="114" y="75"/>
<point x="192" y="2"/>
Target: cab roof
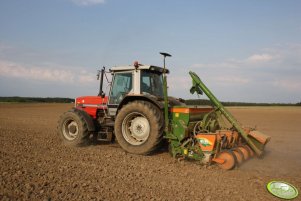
<point x="140" y="67"/>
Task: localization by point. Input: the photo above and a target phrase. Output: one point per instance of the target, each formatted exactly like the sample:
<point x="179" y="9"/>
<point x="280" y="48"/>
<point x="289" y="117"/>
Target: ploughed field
<point x="34" y="165"/>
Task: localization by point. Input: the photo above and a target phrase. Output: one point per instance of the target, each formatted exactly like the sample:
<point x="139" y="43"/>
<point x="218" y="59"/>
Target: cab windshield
<point x="151" y="82"/>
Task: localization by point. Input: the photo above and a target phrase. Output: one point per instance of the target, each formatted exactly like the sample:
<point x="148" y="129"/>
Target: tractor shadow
<point x="162" y="147"/>
<point x="92" y="141"/>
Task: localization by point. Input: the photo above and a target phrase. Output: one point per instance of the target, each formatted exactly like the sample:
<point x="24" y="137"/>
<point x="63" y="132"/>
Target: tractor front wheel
<point x="72" y="129"/>
<point x="139" y="127"/>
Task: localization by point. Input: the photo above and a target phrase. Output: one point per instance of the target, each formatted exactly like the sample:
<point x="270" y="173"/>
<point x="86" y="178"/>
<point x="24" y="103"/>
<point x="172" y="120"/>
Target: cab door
<point x="121" y="86"/>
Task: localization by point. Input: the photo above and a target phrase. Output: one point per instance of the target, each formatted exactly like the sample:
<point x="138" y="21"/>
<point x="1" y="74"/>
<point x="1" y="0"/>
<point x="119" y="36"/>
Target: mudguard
<point x="144" y="97"/>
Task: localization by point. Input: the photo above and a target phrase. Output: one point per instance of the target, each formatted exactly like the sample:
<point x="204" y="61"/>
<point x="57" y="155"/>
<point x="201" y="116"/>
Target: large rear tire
<point x="72" y="129"/>
<point x="139" y="127"/>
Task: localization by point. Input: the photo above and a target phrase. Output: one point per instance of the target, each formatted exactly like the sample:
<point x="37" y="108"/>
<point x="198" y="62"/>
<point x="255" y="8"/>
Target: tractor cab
<point x="132" y="81"/>
<point x="135" y="80"/>
<point x="128" y="83"/>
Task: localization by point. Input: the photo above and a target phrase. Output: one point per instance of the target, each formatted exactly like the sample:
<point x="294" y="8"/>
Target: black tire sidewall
<point x="150" y="112"/>
<point x="82" y="129"/>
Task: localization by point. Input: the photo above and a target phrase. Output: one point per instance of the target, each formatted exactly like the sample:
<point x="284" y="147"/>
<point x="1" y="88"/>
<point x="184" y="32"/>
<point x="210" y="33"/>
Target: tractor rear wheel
<point x="139" y="127"/>
<point x="73" y="129"/>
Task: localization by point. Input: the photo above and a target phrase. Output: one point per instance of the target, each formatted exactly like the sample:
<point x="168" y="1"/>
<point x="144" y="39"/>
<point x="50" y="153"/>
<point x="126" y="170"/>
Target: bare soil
<point x="34" y="165"/>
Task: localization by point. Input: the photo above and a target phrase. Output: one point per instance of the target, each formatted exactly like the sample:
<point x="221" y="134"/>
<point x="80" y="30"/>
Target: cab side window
<point x="151" y="83"/>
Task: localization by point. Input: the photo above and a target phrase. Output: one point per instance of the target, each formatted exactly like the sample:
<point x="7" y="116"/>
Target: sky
<point x="243" y="50"/>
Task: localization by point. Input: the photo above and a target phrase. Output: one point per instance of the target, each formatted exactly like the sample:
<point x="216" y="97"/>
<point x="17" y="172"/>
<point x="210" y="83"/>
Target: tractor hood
<point x="91" y="101"/>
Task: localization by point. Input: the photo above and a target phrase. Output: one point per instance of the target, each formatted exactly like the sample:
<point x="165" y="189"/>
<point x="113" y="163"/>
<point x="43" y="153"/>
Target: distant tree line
<point x="18" y="99"/>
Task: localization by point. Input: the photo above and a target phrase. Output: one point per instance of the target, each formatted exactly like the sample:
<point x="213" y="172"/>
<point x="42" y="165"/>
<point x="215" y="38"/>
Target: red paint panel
<point x="91" y="104"/>
<point x="97" y="100"/>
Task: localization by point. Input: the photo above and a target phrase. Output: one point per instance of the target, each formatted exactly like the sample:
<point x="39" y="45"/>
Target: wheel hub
<point x="70" y="130"/>
<point x="140" y="128"/>
<point x="135" y="128"/>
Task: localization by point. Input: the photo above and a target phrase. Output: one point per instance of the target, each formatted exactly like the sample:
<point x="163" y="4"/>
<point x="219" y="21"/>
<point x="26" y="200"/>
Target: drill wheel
<point x="245" y="152"/>
<point x="239" y="155"/>
<point x="251" y="152"/>
<point x="229" y="159"/>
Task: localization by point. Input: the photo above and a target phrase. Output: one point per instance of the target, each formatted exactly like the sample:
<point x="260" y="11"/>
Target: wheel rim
<point x="245" y="152"/>
<point x="251" y="152"/>
<point x="70" y="129"/>
<point x="229" y="160"/>
<point x="135" y="128"/>
<point x="239" y="155"/>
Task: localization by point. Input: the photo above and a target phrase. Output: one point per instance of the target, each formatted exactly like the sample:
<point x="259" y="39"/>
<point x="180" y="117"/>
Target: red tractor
<point x="132" y="111"/>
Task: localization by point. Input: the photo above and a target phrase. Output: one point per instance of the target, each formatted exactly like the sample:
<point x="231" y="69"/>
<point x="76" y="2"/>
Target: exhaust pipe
<point x="101" y="73"/>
